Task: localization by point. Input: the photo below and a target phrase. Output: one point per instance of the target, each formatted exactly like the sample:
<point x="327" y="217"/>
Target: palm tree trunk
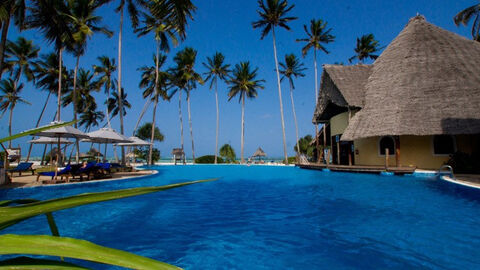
<point x="10" y="126"/>
<point x="180" y="114"/>
<point x="242" y="136"/>
<point x="59" y="94"/>
<point x="38" y="122"/>
<point x="155" y="106"/>
<point x="280" y="97"/>
<point x="145" y="107"/>
<point x="294" y="118"/>
<point x="108" y="112"/>
<point x="77" y="153"/>
<point x="191" y="128"/>
<point x="152" y="136"/>
<point x="317" y="145"/>
<point x="119" y="86"/>
<point x="3" y="43"/>
<point x="218" y="116"/>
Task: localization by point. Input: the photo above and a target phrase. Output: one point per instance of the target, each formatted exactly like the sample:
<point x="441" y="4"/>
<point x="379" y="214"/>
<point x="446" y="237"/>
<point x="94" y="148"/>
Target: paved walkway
<point x="28" y="180"/>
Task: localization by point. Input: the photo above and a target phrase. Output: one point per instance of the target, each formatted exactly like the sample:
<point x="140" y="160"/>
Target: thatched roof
<point x="341" y="87"/>
<point x="178" y="152"/>
<point x="426" y="82"/>
<point x="259" y="153"/>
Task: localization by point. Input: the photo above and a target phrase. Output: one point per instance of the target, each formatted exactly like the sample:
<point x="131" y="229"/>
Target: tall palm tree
<point x="91" y="118"/>
<point x="46" y="73"/>
<point x="367" y="47"/>
<point x="83" y="94"/>
<point x="216" y="70"/>
<point x="20" y="56"/>
<point x="292" y="68"/>
<point x="112" y="104"/>
<point x="85" y="24"/>
<point x="186" y="78"/>
<point x="9" y="9"/>
<point x="244" y="84"/>
<point x="104" y="71"/>
<point x="8" y="100"/>
<point x="466" y="15"/>
<point x="318" y="35"/>
<point x="52" y="18"/>
<point x="273" y="13"/>
<point x="156" y="84"/>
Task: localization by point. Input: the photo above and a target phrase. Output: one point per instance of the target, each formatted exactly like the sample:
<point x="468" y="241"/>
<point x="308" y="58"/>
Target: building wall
<point x="339" y="123"/>
<point x="414" y="151"/>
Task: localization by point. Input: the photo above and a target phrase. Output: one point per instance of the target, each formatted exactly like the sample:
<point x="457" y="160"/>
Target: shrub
<point x="208" y="159"/>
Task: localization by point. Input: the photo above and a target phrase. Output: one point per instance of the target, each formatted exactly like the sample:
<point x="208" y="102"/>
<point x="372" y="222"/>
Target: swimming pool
<point x="262" y="217"/>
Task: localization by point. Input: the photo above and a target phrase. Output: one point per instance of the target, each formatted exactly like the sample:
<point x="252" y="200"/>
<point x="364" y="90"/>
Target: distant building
<point x="420" y="100"/>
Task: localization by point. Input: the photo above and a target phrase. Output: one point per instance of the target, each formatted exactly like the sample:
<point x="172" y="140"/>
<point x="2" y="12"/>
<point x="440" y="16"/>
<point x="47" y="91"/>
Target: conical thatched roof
<point x="341" y="87"/>
<point x="426" y="82"/>
<point x="259" y="153"/>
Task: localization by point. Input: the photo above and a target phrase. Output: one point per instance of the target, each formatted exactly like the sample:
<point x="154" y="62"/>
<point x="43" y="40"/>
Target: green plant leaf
<point x="10" y="215"/>
<point x="34" y="264"/>
<point x="77" y="249"/>
<point x="36" y="130"/>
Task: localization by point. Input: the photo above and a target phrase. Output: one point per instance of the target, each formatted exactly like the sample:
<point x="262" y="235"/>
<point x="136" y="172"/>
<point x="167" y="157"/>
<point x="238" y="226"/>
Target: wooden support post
<point x="327" y="157"/>
<point x="397" y="151"/>
<point x="386" y="158"/>
<point x="338" y="152"/>
<point x="350" y="157"/>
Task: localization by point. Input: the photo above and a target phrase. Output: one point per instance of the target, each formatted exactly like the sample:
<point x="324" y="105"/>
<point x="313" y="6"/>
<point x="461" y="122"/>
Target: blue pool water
<point x="262" y="217"/>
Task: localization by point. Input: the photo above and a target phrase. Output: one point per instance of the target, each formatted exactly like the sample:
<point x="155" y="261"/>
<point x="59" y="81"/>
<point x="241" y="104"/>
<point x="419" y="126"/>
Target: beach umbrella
<point x="106" y="136"/>
<point x="62" y="132"/>
<point x="258" y="154"/>
<point x="47" y="140"/>
<point x="135" y="143"/>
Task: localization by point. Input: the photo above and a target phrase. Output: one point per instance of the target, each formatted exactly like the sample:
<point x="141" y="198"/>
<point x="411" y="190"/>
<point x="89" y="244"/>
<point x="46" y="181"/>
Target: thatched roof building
<point x="343" y="87"/>
<point x="426" y="82"/>
<point x="259" y="153"/>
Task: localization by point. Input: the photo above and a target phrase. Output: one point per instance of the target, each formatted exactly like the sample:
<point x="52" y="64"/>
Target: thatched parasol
<point x="426" y="82"/>
<point x="259" y="153"/>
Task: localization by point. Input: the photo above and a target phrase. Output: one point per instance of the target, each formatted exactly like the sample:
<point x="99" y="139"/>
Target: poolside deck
<point x="357" y="168"/>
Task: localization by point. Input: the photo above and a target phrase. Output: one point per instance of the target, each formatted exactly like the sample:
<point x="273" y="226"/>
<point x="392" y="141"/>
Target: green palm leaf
<point x="33" y="264"/>
<point x="77" y="249"/>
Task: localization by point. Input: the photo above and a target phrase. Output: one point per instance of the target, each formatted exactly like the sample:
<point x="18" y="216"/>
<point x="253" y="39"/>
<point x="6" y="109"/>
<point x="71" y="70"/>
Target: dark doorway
<point x="342" y="151"/>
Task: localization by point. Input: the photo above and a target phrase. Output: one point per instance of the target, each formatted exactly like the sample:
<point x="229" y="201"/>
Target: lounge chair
<point x="63" y="172"/>
<point x="22" y="167"/>
<point x="89" y="170"/>
<point x="105" y="169"/>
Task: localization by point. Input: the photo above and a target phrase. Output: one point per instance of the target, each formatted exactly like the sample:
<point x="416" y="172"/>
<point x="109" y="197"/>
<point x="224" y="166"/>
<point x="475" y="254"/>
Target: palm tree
<point x="292" y="68"/>
<point x="9" y="9"/>
<point x="466" y="15"/>
<point x="156" y="84"/>
<point x="113" y="101"/>
<point x="366" y="47"/>
<point x="8" y="100"/>
<point x="83" y="94"/>
<point x="104" y="72"/>
<point x="46" y="73"/>
<point x="271" y="15"/>
<point x="91" y="118"/>
<point x="317" y="36"/>
<point x="52" y="18"/>
<point x="216" y="70"/>
<point x="85" y="24"/>
<point x="244" y="84"/>
<point x="186" y="78"/>
<point x="20" y="56"/>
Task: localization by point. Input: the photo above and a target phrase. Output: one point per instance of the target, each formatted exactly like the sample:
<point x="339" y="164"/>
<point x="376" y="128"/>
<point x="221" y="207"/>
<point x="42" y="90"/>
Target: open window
<point x="443" y="145"/>
<point x="387" y="142"/>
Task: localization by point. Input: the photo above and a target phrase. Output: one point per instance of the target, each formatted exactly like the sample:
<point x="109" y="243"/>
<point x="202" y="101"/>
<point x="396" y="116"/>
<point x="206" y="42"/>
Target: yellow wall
<point x="414" y="151"/>
<point x="339" y="123"/>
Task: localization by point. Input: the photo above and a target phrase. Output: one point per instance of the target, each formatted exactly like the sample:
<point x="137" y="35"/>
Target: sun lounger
<point x="63" y="172"/>
<point x="22" y="167"/>
<point x="89" y="171"/>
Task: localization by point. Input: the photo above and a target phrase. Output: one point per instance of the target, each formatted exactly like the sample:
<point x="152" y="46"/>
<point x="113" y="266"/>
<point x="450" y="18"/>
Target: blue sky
<point x="225" y="26"/>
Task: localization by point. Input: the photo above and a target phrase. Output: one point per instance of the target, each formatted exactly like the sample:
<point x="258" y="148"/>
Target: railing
<point x="449" y="168"/>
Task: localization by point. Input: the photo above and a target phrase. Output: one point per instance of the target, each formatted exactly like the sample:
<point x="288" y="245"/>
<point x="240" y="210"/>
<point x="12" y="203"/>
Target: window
<point x="443" y="145"/>
<point x="387" y="142"/>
